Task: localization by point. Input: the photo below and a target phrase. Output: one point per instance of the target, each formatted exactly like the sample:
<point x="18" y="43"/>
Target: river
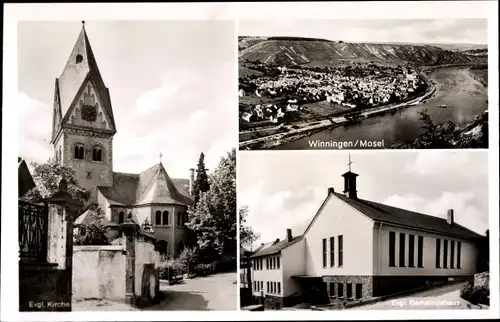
<point x="465" y="97"/>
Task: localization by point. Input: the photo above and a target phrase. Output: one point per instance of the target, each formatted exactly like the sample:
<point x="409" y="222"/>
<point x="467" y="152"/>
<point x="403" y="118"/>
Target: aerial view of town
<point x="310" y="93"/>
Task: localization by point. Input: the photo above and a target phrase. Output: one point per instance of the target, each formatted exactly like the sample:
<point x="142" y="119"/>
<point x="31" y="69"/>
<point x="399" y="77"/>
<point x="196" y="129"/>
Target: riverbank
<point x="288" y="133"/>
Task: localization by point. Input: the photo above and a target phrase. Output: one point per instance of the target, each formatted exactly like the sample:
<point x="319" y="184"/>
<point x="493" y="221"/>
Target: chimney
<point x="331" y="190"/>
<point x="191" y="180"/>
<point x="289" y="235"/>
<point x="276" y="241"/>
<point x="449" y="217"/>
<point x="350" y="184"/>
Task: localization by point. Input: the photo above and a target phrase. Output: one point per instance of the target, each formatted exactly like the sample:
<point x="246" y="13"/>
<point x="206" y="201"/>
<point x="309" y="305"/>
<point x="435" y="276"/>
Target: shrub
<point x="475" y="294"/>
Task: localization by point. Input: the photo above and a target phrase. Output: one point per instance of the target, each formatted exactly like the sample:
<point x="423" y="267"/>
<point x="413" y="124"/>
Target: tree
<point x="92" y="232"/>
<point x="201" y="183"/>
<point x="247" y="235"/>
<point x="214" y="217"/>
<point x="47" y="177"/>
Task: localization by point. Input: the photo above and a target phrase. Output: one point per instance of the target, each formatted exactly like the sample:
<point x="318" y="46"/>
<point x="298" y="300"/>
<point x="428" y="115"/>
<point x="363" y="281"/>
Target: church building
<point x="355" y="249"/>
<point x="83" y="128"/>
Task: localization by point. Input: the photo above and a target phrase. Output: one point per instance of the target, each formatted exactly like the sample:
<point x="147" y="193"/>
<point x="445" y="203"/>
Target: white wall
<point x="467" y="262"/>
<point x="293" y="264"/>
<point x="268" y="275"/>
<point x="338" y="218"/>
<point x="104" y="204"/>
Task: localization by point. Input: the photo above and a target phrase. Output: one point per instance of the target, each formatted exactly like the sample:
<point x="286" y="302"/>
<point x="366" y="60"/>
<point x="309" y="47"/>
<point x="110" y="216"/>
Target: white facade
<point x="265" y="278"/>
<point x="335" y="219"/>
<point x="293" y="265"/>
<point x="468" y="254"/>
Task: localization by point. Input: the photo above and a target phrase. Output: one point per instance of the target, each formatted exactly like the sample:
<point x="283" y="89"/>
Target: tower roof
<point x="81" y="66"/>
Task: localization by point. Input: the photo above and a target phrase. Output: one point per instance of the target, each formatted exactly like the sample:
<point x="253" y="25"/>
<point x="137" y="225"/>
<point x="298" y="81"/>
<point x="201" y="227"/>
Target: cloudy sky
<point x="284" y="190"/>
<point x="436" y="31"/>
<point x="171" y="83"/>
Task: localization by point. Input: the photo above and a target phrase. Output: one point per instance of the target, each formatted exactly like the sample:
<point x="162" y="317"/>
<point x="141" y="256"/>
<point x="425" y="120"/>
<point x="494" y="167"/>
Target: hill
<point x="313" y="52"/>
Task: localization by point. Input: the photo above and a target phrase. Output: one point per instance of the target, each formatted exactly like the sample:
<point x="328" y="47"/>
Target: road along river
<point x="465" y="97"/>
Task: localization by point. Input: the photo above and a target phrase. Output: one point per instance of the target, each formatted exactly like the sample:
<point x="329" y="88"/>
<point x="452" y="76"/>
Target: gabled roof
<point x="397" y="216"/>
<point x="413" y="220"/>
<point x="88" y="217"/>
<point x="150" y="186"/>
<point x="274" y="248"/>
<point x="73" y="79"/>
<point x="25" y="180"/>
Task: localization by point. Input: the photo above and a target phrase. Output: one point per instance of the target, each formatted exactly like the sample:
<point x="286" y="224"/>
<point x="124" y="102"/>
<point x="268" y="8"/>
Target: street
<point x="214" y="292"/>
<point x="445" y="298"/>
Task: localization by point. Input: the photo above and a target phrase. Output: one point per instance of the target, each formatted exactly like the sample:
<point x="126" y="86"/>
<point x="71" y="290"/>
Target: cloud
<point x="35" y="119"/>
<point x="466" y="212"/>
<point x="270" y="213"/>
<point x="435" y="163"/>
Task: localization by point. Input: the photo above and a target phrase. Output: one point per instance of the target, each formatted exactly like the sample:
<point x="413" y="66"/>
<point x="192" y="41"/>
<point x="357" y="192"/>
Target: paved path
<point x="445" y="298"/>
<point x="214" y="292"/>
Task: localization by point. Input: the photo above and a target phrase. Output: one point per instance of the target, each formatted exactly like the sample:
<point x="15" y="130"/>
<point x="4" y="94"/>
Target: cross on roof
<point x="161" y="154"/>
<point x="349" y="163"/>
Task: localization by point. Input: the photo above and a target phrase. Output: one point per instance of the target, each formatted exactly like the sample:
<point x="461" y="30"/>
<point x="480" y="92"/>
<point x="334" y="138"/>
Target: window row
<point x="340" y="251"/>
<point x="273" y="262"/>
<point x="257" y="264"/>
<point x="406" y="254"/>
<point x="271" y="287"/>
<point x="79" y="152"/>
<point x="162" y="218"/>
<point x="337" y="290"/>
<point x="444" y="254"/>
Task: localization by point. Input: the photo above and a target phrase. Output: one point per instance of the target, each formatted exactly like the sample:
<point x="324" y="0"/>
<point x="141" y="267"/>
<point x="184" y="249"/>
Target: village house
<point x="355" y="249"/>
<point x="83" y="128"/>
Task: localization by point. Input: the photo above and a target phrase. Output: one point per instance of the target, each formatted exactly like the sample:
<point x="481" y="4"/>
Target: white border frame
<point x="14" y="13"/>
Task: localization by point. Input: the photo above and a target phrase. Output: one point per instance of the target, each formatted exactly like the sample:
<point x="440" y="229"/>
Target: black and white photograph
<point x="363" y="84"/>
<point x="364" y="230"/>
<point x="127" y="166"/>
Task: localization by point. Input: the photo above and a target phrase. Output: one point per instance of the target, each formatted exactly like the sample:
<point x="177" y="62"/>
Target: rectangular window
<point x="332" y="251"/>
<point x="420" y="251"/>
<point x="459" y="248"/>
<point x="341" y="250"/>
<point x="261" y="264"/>
<point x="392" y="249"/>
<point x="274" y="263"/>
<point x="359" y="291"/>
<point x="438" y="253"/>
<point x="402" y="251"/>
<point x="411" y="251"/>
<point x="349" y="290"/>
<point x="275" y="288"/>
<point x="278" y="262"/>
<point x="279" y="287"/>
<point x="158" y="218"/>
<point x="332" y="289"/>
<point x="452" y="254"/>
<point x="267" y="263"/>
<point x="445" y="254"/>
<point x="261" y="286"/>
<point x="267" y="283"/>
<point x="341" y="290"/>
<point x="324" y="252"/>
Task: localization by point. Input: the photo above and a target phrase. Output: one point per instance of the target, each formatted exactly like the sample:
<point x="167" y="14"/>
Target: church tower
<point x="83" y="125"/>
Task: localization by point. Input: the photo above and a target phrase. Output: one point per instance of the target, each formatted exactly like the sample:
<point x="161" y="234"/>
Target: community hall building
<point x="355" y="249"/>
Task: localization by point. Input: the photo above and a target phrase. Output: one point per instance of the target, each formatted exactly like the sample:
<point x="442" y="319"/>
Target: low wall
<point x="99" y="272"/>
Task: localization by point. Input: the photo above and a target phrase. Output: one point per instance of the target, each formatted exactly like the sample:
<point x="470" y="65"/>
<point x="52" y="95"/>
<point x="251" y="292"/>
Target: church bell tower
<point x="83" y="125"/>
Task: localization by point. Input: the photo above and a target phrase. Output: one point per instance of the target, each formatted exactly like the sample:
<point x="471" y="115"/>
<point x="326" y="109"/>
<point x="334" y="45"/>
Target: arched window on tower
<point x="97" y="153"/>
<point x="158" y="217"/>
<point x="121" y="217"/>
<point x="79" y="151"/>
<point x="165" y="217"/>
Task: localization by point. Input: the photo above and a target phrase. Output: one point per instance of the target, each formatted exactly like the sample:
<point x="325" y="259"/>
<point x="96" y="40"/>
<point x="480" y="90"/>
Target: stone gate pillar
<point x="130" y="229"/>
<point x="62" y="211"/>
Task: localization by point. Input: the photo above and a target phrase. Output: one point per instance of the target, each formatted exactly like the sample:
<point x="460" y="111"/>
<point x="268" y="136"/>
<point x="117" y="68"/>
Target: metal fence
<point x="33" y="227"/>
